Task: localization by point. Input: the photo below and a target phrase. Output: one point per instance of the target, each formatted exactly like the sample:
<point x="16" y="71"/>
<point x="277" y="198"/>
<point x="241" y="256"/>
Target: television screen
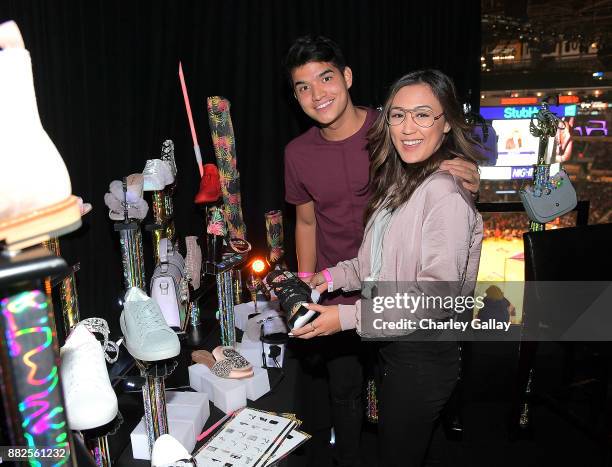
<point x="516" y="146"/>
<point x="517" y="149"/>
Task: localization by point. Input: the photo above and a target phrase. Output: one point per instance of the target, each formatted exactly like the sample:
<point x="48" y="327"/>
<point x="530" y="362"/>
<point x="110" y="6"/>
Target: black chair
<point x="563" y="255"/>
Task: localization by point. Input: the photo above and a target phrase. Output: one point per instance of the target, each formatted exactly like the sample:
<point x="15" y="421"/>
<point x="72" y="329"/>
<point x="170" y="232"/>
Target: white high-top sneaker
<point x="167" y="452"/>
<point x="157" y="175"/>
<point x="147" y="336"/>
<point x="88" y="394"/>
<point x="35" y="190"/>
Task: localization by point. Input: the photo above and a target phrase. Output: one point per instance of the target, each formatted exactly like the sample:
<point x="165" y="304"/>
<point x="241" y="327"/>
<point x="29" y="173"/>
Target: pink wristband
<point x="304" y="275"/>
<point x="327" y="275"/>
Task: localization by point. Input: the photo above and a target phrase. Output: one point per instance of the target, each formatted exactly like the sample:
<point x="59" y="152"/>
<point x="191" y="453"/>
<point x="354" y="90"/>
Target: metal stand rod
<point x="237" y="287"/>
<point x="194" y="313"/>
<point x="68" y="291"/>
<point x="156" y="418"/>
<point x="100" y="450"/>
<point x="372" y="402"/>
<point x="225" y="295"/>
<point x="163" y="214"/>
<point x="132" y="257"/>
<point x="154" y="400"/>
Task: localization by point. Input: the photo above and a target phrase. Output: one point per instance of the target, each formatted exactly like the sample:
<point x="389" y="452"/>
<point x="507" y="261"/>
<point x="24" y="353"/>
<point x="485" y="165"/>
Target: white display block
<point x="184" y="414"/>
<point x="242" y="311"/>
<point x="258" y="385"/>
<point x="182" y="431"/>
<point x="252" y="352"/>
<point x="196" y="401"/>
<point x="227" y="394"/>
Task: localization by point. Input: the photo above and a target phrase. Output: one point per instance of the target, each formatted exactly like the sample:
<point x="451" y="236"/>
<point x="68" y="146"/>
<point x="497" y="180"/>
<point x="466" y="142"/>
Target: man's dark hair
<point x="313" y="49"/>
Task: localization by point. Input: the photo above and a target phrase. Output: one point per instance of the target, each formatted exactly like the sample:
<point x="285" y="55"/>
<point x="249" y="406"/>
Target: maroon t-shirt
<point x="334" y="175"/>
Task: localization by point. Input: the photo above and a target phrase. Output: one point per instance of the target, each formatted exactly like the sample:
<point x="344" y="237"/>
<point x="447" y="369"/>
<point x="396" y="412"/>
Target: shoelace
<point x="147" y="317"/>
<point x="100" y="325"/>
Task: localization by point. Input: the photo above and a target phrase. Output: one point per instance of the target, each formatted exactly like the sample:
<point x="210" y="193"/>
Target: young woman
<point x="422" y="229"/>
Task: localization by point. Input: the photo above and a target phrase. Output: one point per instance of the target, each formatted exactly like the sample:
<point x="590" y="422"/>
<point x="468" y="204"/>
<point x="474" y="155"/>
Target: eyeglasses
<point x="421" y="117"/>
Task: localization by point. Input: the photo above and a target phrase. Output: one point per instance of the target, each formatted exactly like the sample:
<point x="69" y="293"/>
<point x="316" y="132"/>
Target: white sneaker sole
<point x="42" y="224"/>
<point x="147" y="356"/>
<point x="94" y="419"/>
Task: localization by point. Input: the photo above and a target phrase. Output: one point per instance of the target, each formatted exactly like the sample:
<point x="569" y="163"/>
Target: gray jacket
<point x="435" y="236"/>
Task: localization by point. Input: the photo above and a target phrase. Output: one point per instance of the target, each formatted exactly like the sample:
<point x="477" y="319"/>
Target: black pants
<point x="418" y="379"/>
<point x="335" y="384"/>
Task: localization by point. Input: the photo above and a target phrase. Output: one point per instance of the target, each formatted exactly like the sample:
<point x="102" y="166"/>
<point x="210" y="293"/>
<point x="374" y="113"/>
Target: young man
<point x="326" y="177"/>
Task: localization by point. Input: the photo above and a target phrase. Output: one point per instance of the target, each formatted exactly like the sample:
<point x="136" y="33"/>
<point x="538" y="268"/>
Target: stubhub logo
<point x="521" y="172"/>
<point x="520" y="112"/>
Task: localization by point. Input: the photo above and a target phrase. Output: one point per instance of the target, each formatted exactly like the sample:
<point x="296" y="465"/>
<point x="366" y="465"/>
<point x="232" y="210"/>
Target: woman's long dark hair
<point x="392" y="181"/>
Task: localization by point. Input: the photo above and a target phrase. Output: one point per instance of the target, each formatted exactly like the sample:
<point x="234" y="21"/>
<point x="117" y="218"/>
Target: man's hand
<point x="465" y="170"/>
<point x="327" y="323"/>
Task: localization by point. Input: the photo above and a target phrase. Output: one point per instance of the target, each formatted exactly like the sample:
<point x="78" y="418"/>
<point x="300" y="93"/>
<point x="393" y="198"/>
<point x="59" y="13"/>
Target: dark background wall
<point x="106" y="77"/>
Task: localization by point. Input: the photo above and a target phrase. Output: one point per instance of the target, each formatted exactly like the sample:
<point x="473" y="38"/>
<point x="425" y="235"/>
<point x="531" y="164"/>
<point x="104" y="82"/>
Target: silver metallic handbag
<point x="555" y="198"/>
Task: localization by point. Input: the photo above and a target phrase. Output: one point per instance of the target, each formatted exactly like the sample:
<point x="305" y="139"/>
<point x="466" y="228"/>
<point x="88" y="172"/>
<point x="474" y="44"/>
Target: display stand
<point x="154" y="397"/>
<point x="98" y="446"/>
<point x="544" y="125"/>
<point x="223" y="273"/>
<point x="33" y="401"/>
<point x="153" y="391"/>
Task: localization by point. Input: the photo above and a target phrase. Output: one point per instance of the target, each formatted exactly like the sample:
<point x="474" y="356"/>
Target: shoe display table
<point x="283" y="398"/>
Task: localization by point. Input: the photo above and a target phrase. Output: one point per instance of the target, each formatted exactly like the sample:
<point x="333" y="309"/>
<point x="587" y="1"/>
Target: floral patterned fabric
<point x="216" y="223"/>
<point x="274" y="235"/>
<point x="223" y="140"/>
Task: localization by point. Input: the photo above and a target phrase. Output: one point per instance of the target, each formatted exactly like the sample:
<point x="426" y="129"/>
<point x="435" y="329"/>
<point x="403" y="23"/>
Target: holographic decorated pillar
<point x="222" y="132"/>
<point x="29" y="379"/>
<point x="154" y="397"/>
<point x="132" y="258"/>
<point x="67" y="291"/>
<point x="225" y="297"/>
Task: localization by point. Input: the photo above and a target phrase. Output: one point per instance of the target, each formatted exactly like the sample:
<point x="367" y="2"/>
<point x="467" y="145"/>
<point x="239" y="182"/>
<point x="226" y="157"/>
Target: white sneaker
<point x="157" y="175"/>
<point x="168" y="156"/>
<point x="167" y="451"/>
<point x="35" y="191"/>
<point x="147" y="336"/>
<point x="89" y="397"/>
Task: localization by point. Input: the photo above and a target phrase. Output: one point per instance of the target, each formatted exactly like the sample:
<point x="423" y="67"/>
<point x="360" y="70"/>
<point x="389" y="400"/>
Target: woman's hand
<point x="319" y="282"/>
<point x="465" y="170"/>
<point x="327" y="323"/>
